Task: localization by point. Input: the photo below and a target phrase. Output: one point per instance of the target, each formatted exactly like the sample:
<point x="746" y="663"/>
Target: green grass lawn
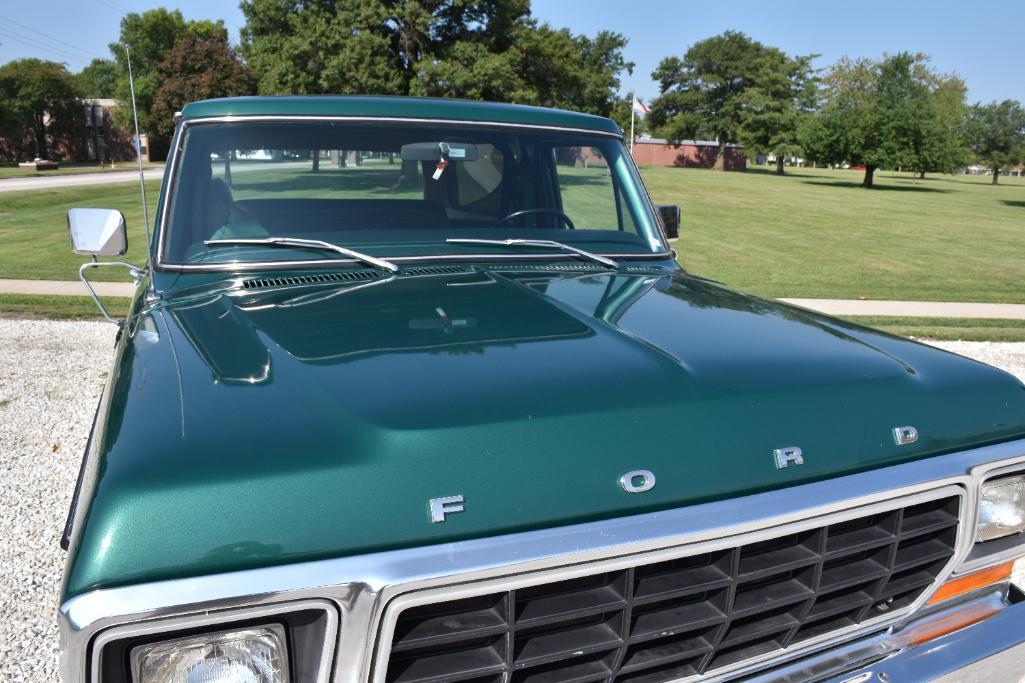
<point x="34" y="241"/>
<point x="953" y="329"/>
<point x="11" y="170"/>
<point x="60" y="307"/>
<point x="816" y="233"/>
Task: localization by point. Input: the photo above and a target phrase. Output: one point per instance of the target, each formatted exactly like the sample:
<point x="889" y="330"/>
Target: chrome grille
<point x="682" y="617"/>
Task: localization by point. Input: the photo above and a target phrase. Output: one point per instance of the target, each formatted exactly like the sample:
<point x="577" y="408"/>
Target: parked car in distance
<point x="414" y="391"/>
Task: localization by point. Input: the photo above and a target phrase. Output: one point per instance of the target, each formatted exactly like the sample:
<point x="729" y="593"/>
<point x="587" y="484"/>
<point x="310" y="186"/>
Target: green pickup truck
<point x="414" y="391"/>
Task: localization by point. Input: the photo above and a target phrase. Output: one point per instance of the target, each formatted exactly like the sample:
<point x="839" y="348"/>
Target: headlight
<point x="1001" y="508"/>
<point x="252" y="655"/>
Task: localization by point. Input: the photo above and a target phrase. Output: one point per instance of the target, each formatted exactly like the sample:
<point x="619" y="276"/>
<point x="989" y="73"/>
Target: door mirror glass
<point x="97" y="232"/>
<point x="669" y="215"/>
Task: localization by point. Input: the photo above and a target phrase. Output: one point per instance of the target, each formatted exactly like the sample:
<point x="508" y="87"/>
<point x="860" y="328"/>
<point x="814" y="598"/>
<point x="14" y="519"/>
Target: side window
<point x="479" y="182"/>
<point x="589" y="197"/>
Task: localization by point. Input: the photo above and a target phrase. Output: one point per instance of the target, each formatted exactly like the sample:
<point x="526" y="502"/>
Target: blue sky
<point x="983" y="42"/>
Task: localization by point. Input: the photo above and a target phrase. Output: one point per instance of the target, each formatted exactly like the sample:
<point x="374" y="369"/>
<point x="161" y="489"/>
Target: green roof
<point x="399" y="107"/>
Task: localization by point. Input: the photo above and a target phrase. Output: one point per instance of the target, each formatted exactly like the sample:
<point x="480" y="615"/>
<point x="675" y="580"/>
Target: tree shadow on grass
<point x="760" y="170"/>
<point x="1014" y="202"/>
<point x="876" y="187"/>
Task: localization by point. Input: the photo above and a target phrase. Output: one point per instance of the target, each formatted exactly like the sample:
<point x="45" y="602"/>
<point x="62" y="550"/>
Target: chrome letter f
<point x="439" y="507"/>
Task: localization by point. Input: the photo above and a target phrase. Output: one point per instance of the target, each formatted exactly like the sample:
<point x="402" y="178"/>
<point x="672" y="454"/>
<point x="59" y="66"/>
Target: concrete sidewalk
<point x="841" y="307"/>
<point x="914" y="309"/>
<point x="61" y="288"/>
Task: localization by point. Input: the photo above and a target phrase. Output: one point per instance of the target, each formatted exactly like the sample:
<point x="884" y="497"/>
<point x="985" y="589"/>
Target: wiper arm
<point x="299" y="243"/>
<point x="548" y="244"/>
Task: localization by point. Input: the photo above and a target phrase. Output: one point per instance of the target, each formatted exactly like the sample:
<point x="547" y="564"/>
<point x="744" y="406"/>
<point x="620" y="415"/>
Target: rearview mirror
<point x="431" y="151"/>
<point x="669" y="216"/>
<point x="97" y="232"/>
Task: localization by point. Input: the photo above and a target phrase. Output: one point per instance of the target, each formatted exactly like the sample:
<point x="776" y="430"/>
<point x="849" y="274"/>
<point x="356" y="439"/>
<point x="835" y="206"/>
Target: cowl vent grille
<point x="684" y="617"/>
<point x="552" y="268"/>
<point x="314" y="279"/>
<point x="434" y="270"/>
<point x="572" y="267"/>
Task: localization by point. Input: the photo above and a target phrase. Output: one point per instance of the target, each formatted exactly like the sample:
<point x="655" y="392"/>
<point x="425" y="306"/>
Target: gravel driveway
<point x="44" y="421"/>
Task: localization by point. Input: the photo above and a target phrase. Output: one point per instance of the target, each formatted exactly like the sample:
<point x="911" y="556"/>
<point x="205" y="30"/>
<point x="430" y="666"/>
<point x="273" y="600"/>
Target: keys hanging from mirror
<point x="442" y="164"/>
<point x="439" y="168"/>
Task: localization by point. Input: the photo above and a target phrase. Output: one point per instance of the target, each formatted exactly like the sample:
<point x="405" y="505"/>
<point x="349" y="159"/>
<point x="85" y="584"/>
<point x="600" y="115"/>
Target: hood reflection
<point x="452" y="313"/>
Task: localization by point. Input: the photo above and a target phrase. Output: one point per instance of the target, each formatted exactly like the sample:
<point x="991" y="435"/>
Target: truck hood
<point x="264" y="423"/>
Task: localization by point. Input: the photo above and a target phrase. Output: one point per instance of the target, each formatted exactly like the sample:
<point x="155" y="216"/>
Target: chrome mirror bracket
<point x="136" y="273"/>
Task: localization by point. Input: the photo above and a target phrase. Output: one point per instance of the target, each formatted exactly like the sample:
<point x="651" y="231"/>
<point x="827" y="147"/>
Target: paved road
<point x="48" y="182"/>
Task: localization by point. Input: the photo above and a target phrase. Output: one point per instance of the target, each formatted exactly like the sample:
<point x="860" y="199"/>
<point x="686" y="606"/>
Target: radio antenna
<point x="138" y="147"/>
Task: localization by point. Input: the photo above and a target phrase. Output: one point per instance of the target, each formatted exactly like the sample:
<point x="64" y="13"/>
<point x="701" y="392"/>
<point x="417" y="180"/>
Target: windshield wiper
<point x="548" y="244"/>
<point x="299" y="243"/>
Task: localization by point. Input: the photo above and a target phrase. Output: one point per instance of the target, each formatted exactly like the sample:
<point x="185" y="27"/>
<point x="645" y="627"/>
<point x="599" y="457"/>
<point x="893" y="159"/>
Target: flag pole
<point x="633" y="113"/>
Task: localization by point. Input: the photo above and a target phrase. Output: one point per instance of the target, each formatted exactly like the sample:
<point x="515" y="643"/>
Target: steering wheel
<point x="526" y="212"/>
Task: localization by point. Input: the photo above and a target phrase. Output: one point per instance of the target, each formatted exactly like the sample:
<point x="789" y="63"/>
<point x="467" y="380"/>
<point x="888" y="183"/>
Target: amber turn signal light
<point x="961" y="617"/>
<point x="970" y="582"/>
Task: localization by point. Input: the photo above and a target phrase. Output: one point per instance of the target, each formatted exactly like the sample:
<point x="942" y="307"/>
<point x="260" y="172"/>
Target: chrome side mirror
<point x="100" y="232"/>
<point x="97" y="232"/>
<point x="669" y="216"/>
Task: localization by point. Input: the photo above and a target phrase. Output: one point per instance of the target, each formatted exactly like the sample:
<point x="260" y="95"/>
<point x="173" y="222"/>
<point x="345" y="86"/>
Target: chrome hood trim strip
<point x="363" y="587"/>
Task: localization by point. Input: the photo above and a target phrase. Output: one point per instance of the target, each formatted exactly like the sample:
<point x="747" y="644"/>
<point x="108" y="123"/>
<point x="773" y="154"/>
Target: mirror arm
<point x="136" y="273"/>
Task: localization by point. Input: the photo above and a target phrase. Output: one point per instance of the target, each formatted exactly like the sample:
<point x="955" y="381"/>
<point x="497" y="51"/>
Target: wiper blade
<point x="299" y="243"/>
<point x="548" y="244"/>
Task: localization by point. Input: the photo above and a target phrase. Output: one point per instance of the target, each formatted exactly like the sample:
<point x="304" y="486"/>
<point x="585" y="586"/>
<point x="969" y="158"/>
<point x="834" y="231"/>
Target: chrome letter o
<point x="637" y="481"/>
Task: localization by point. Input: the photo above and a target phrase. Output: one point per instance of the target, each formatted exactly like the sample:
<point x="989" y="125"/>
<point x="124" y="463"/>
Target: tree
<point x="150" y="36"/>
<point x="877" y="114"/>
<point x="99" y="79"/>
<point x="371" y="46"/>
<point x="487" y="49"/>
<point x="42" y="106"/>
<point x="940" y="145"/>
<point x="708" y="92"/>
<point x="197" y="67"/>
<point x="323" y="47"/>
<point x="996" y="134"/>
<point x="776" y="107"/>
<point x="622" y="113"/>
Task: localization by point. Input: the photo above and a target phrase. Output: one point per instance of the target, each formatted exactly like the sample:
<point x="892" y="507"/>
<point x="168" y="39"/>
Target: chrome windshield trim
<point x="171" y="173"/>
<point x="243" y="266"/>
<point x="363" y="586"/>
<point x="299" y="118"/>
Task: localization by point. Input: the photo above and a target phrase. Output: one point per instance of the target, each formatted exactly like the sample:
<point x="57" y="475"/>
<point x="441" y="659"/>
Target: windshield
<point x="392" y="190"/>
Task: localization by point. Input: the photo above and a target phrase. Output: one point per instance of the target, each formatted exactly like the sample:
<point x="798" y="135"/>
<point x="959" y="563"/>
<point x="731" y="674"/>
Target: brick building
<point x="689" y="153"/>
<point x="102" y="141"/>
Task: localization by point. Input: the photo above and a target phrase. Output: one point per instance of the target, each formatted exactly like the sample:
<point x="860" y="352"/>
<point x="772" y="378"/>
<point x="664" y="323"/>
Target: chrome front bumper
<point x="990" y="650"/>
